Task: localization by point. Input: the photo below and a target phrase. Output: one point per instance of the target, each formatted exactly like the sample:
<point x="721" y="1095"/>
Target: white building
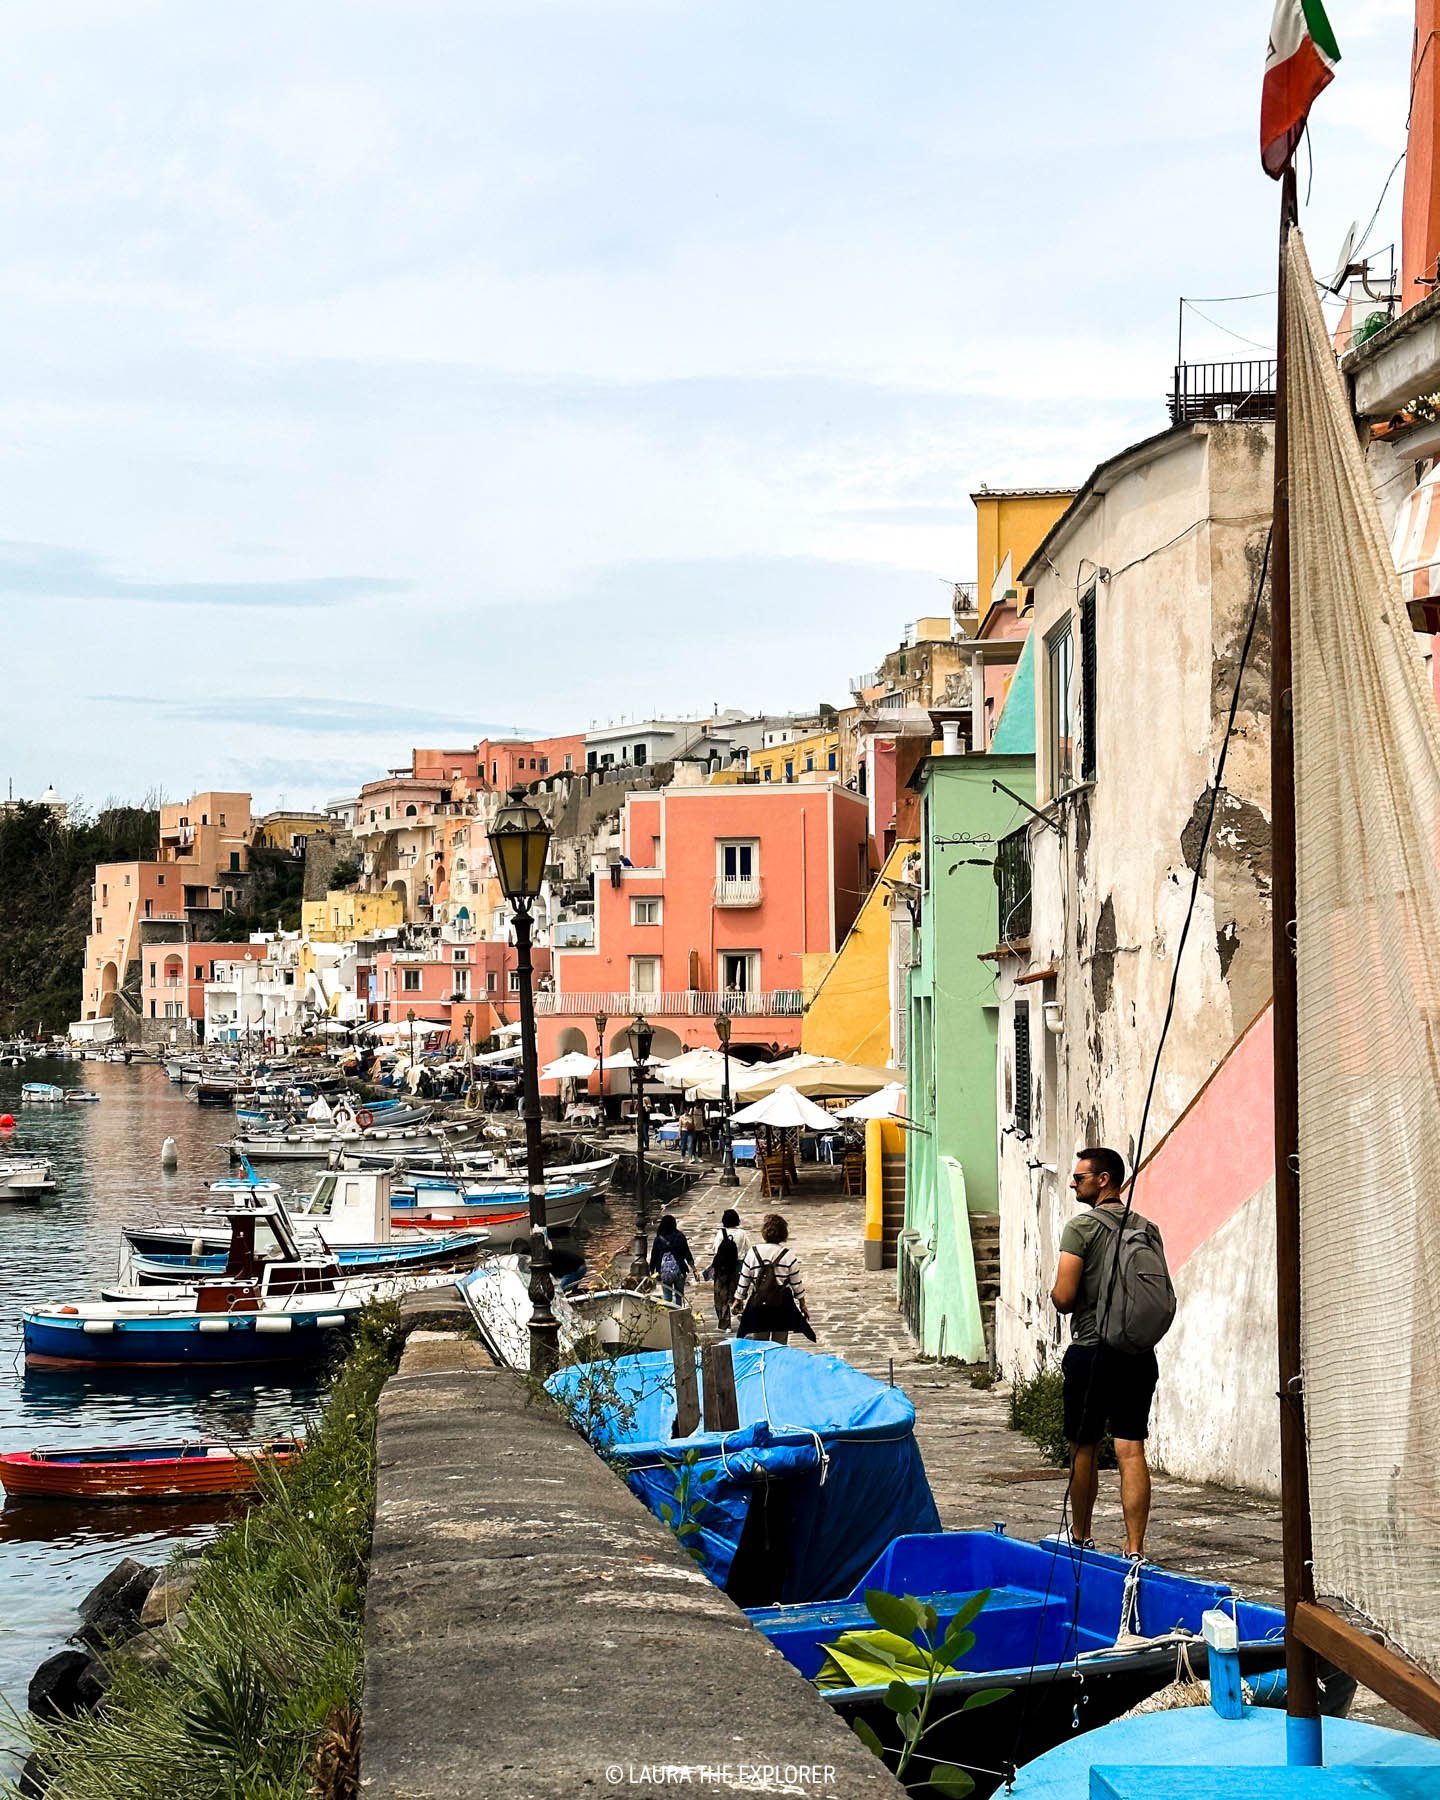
<point x="257" y="998"/>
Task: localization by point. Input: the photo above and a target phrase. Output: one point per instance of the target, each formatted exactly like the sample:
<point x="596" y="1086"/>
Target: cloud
<point x="307" y="713"/>
<point x="52" y="572"/>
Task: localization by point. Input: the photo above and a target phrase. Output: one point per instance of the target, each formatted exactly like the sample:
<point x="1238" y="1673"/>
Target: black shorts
<point x="1108" y="1390"/>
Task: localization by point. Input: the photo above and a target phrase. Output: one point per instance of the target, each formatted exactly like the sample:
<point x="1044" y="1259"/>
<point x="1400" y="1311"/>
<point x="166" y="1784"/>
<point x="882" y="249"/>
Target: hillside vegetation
<point x="46" y="867"/>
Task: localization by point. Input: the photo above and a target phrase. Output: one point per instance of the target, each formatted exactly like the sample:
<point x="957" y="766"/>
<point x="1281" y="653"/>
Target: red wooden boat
<point x="192" y="1468"/>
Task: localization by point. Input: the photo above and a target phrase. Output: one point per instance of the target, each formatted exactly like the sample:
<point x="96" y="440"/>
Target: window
<point x="98" y="927"/>
<point x="644" y="974"/>
<point x="830" y="764"/>
<point x="161" y="881"/>
<point x="737" y="859"/>
<point x="152" y="971"/>
<point x="461" y="979"/>
<point x="640" y="754"/>
<point x="569" y="760"/>
<point x="234" y="862"/>
<point x="411" y="811"/>
<point x="789" y="771"/>
<point x="592" y="759"/>
<point x="410" y="981"/>
<point x="544" y="765"/>
<point x="1022" y="1069"/>
<point x="1087" y="686"/>
<point x="199" y="971"/>
<point x="460" y="956"/>
<point x="769" y="773"/>
<point x="645" y="910"/>
<point x="514" y="981"/>
<point x="809" y="763"/>
<point x="1059" y="719"/>
<point x="148" y="905"/>
<point x="740" y="971"/>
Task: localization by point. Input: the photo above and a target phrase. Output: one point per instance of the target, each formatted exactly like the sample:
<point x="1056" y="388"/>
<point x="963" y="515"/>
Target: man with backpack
<point x="1112" y="1280"/>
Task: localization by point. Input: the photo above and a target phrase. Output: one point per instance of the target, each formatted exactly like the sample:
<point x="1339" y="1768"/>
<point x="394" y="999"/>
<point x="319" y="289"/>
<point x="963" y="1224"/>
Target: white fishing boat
<point x="41" y="1093"/>
<point x="614" y="1319"/>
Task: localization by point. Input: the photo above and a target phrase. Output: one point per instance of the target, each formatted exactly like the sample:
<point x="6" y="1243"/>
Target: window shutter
<point x="1022" y="1069"/>
<point x="1087" y="686"/>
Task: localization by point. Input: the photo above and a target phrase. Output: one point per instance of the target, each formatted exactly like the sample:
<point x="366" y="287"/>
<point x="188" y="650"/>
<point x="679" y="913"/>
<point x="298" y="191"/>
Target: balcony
<point x="738" y="893"/>
<point x="778" y="1003"/>
<point x="1222" y="391"/>
<point x="1012" y="876"/>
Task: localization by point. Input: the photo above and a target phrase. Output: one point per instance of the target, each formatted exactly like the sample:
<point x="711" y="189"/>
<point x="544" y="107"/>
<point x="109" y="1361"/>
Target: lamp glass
<point x="722" y="1027"/>
<point x="519" y="841"/>
<point x="642" y="1037"/>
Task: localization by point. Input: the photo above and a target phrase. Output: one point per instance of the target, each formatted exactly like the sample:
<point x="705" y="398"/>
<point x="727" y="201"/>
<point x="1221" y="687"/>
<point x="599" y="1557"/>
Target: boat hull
<point x="157" y="1472"/>
<point x="59" y="1341"/>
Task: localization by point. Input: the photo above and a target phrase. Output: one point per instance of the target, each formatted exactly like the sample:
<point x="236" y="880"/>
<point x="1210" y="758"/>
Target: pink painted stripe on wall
<point x="1219" y="1152"/>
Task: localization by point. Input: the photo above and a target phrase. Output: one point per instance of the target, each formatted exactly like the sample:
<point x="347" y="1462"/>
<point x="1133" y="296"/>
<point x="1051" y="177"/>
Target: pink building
<point x="517" y="762"/>
<point x="173" y="976"/>
<point x="726" y="898"/>
<point x="447" y="980"/>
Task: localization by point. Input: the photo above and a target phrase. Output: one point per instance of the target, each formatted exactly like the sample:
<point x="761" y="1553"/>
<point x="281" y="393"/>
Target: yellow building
<point x="345" y="914"/>
<point x="812" y="758"/>
<point x="286" y="830"/>
<point x="849" y="1014"/>
<point x="1009" y="525"/>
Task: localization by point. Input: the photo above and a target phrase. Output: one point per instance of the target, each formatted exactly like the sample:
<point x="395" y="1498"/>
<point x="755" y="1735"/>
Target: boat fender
<point x="72" y="1311"/>
<point x="344" y="1118"/>
<point x="365" y="1119"/>
<point x="98" y="1327"/>
<point x="212" y="1325"/>
<point x="264" y="1324"/>
<point x="197" y="1248"/>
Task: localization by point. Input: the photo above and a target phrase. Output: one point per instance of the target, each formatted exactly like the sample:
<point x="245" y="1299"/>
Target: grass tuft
<point x="1037" y="1412"/>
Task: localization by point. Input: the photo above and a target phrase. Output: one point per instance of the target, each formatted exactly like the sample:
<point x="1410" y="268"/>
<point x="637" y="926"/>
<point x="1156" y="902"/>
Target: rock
<point x="111" y="1610"/>
<point x="33" y="1781"/>
<point x="152" y="1649"/>
<point x="169" y="1594"/>
<point x="67" y="1684"/>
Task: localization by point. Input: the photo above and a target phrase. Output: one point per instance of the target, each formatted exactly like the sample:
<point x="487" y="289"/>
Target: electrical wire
<point x="1237" y="335"/>
<point x="1077" y="1562"/>
<point x="1361" y="241"/>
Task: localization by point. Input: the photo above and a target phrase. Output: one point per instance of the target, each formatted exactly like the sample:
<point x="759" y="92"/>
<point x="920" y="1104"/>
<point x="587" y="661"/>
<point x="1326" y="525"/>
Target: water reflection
<point x="107" y="1161"/>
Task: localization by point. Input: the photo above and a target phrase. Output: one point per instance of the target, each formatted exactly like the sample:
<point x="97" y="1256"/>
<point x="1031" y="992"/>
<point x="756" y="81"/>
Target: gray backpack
<point x="1136" y="1306"/>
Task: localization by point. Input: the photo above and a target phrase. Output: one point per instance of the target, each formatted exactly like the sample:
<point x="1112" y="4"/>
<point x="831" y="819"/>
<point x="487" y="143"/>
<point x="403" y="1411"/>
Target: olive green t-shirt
<point x="1086" y="1236"/>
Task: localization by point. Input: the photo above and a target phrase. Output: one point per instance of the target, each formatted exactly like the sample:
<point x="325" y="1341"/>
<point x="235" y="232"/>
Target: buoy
<point x="7" y="1121"/>
<point x="169" y="1154"/>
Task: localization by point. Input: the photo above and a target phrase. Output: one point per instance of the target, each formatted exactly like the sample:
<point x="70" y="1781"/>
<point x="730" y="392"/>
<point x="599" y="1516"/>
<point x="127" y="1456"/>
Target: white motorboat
<point x="26" y="1178"/>
<point x="619" y="1320"/>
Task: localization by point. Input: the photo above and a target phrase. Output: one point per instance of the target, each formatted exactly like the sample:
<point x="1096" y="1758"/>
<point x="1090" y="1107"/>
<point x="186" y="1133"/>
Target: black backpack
<point x="726" y="1265"/>
<point x="769" y="1294"/>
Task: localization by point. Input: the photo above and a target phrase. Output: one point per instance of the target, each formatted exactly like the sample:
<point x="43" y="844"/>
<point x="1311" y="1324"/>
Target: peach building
<point x="447" y="980"/>
<point x="721" y="897"/>
<point x="173" y="976"/>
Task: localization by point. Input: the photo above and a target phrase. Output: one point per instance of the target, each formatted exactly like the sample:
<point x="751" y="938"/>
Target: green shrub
<point x="1037" y="1412"/>
<point x="262" y="1693"/>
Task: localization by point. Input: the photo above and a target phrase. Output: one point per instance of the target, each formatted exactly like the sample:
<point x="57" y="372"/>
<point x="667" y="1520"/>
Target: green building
<point x="951" y="1174"/>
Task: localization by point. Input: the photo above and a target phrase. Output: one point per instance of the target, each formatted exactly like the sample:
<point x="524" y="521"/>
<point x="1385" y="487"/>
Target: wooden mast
<point x="1302" y="1697"/>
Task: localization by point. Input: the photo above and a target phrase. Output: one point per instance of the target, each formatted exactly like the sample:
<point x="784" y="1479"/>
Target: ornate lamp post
<point x="410" y="1021"/>
<point x="728" y="1177"/>
<point x="601" y="1021"/>
<point x="641" y="1036"/>
<point x="469" y="1051"/>
<point x="519" y="840"/>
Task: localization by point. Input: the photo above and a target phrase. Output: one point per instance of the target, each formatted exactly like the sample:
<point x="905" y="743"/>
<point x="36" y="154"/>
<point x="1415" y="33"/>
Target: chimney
<point x="950" y="737"/>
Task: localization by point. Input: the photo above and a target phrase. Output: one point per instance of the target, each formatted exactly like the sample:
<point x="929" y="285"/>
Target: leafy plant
<point x="683" y="1516"/>
<point x="1037" y="1411"/>
<point x="918" y="1656"/>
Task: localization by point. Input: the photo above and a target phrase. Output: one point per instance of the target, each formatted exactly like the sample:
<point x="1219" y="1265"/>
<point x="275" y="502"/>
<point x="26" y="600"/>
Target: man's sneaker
<point x="1066" y="1536"/>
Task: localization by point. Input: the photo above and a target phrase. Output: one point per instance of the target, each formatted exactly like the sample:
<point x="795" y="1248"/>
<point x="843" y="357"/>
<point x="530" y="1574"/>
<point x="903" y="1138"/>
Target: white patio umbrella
<point x="625" y="1059"/>
<point x="784" y="1110"/>
<point x="575" y="1065"/>
<point x="761" y="1076"/>
<point x="693" y="1067"/>
<point x="885" y="1103"/>
<point x="825" y="1079"/>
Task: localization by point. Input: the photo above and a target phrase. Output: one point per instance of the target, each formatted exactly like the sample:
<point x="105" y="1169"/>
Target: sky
<point x="393" y="372"/>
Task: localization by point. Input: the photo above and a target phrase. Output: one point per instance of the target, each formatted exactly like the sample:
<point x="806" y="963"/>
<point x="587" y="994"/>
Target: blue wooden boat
<point x="273" y="1305"/>
<point x="1046" y="1635"/>
<point x="43" y="1093"/>
<point x="459" y="1250"/>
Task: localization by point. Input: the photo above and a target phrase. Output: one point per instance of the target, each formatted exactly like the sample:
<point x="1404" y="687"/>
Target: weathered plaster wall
<point x="1173" y="534"/>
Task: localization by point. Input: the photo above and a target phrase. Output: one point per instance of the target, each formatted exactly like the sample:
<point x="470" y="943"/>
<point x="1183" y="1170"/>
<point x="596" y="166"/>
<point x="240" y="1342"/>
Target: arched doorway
<point x="572" y="1038"/>
<point x="109" y="981"/>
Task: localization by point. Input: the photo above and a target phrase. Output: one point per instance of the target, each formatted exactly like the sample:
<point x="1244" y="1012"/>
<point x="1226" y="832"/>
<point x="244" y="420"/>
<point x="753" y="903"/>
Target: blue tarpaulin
<point x="842" y="1444"/>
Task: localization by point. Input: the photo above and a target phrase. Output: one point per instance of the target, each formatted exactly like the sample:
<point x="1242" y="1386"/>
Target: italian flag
<point x="1299" y="64"/>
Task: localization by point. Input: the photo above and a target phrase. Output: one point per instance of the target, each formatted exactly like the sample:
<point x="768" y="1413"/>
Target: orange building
<point x="723" y="898"/>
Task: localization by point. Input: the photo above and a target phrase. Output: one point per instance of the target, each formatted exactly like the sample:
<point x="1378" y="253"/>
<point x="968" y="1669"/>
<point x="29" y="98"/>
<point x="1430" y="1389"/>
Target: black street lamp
<point x="469" y="1052"/>
<point x="728" y="1177"/>
<point x="519" y="840"/>
<point x="410" y="1020"/>
<point x="601" y="1021"/>
<point x="641" y="1036"/>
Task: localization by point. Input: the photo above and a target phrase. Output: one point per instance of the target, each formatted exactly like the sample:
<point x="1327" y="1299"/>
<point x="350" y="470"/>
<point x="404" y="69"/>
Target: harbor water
<point x="107" y="1162"/>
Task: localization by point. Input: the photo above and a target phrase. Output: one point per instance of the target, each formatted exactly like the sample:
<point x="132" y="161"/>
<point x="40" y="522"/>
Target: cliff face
<point x="46" y="867"/>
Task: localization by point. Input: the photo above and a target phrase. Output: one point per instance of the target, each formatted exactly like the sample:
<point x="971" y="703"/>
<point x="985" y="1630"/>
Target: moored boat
<point x="26" y="1178"/>
<point x="190" y="1468"/>
<point x="41" y="1093"/>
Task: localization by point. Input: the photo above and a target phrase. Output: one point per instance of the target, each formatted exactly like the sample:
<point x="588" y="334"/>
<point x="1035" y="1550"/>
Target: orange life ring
<point x="365" y="1118"/>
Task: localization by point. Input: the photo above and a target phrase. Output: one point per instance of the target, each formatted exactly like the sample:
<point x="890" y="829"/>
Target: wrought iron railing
<point x="777" y="1003"/>
<point x="1223" y="390"/>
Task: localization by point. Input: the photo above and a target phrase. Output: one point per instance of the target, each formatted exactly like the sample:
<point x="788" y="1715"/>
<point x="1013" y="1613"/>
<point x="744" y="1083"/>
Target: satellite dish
<point x="1342" y="268"/>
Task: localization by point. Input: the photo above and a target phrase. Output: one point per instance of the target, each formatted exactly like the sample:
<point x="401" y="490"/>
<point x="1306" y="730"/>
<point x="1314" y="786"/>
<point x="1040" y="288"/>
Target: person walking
<point x="770" y="1295"/>
<point x="727" y="1253"/>
<point x="671" y="1260"/>
<point x="1107" y="1388"/>
<point x="689" y="1128"/>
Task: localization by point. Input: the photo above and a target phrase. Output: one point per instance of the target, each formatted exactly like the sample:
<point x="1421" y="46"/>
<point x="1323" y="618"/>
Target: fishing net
<point x="1367" y="773"/>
